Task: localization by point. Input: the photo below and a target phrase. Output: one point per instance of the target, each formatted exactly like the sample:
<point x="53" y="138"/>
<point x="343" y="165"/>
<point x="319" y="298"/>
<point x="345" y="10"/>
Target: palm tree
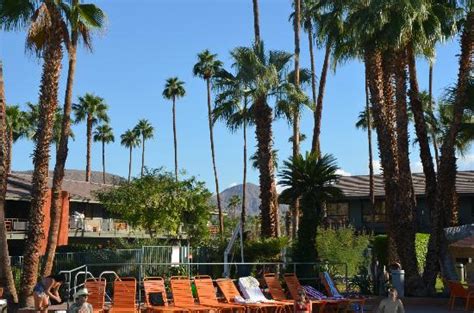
<point x="92" y="109"/>
<point x="104" y="134"/>
<point x="265" y="75"/>
<point x="45" y="37"/>
<point x="310" y="178"/>
<point x="17" y="127"/>
<point x="4" y="254"/>
<point x="130" y="139"/>
<point x="256" y="21"/>
<point x="145" y="130"/>
<point x="83" y="18"/>
<point x="232" y="107"/>
<point x="206" y="68"/>
<point x="365" y="123"/>
<point x="174" y="89"/>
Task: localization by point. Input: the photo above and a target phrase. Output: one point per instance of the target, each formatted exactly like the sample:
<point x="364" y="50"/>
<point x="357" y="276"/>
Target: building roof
<point x="358" y="186"/>
<point x="19" y="185"/>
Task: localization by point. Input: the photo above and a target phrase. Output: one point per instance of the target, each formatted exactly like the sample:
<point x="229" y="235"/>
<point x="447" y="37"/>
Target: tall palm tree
<point x="17" y="127"/>
<point x="206" y="68"/>
<point x="365" y="123"/>
<point x="145" y="130"/>
<point x="256" y="21"/>
<point x="4" y="254"/>
<point x="83" y="19"/>
<point x="92" y="109"/>
<point x="174" y="89"/>
<point x="264" y="74"/>
<point x="45" y="37"/>
<point x="232" y="107"/>
<point x="130" y="139"/>
<point x="103" y="134"/>
<point x="310" y="178"/>
<point x="330" y="29"/>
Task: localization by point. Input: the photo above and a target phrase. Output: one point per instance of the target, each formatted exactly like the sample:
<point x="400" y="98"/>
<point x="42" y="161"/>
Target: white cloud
<point x="466" y="162"/>
<point x="343" y="173"/>
<point x="416" y="167"/>
<point x="233" y="184"/>
<point x="377" y="166"/>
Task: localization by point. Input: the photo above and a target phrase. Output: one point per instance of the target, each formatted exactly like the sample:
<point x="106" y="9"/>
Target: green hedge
<point x="380" y="244"/>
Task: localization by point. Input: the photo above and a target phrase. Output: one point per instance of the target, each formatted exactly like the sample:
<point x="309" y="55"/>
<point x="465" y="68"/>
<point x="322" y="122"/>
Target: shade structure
<point x="463" y="248"/>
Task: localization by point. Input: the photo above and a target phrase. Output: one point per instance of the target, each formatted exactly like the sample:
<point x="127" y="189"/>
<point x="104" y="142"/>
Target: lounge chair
<point x="152" y="285"/>
<point x="125" y="289"/>
<point x="250" y="288"/>
<point x="323" y="303"/>
<point x="458" y="290"/>
<point x="207" y="295"/>
<point x="96" y="290"/>
<point x="183" y="295"/>
<point x="333" y="292"/>
<point x="232" y="295"/>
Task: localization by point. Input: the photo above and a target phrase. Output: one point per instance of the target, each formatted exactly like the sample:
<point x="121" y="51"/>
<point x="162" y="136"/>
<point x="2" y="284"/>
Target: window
<point x="378" y="215"/>
<point x="338" y="209"/>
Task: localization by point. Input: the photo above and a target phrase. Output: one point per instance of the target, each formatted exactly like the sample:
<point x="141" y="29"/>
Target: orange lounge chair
<point x="458" y="290"/>
<point x="293" y="284"/>
<point x="125" y="290"/>
<point x="207" y="295"/>
<point x="183" y="295"/>
<point x="332" y="291"/>
<point x="96" y="290"/>
<point x="157" y="285"/>
<point x="230" y="292"/>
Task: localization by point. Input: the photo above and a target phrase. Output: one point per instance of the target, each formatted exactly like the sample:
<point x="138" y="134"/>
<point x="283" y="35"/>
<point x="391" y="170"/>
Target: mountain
<point x="252" y="200"/>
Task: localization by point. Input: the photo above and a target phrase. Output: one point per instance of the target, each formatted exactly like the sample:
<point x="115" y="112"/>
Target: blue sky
<point x="148" y="41"/>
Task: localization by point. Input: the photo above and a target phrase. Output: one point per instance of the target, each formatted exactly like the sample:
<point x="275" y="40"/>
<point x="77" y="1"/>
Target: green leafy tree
<point x="103" y="134"/>
<point x="130" y="139"/>
<point x="160" y="205"/>
<point x="92" y="109"/>
<point x="174" y="89"/>
<point x="206" y="68"/>
<point x="17" y="127"/>
<point x="145" y="131"/>
<point x="312" y="180"/>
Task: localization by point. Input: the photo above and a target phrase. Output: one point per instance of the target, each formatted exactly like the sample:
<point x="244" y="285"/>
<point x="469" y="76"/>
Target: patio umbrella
<point x="463" y="247"/>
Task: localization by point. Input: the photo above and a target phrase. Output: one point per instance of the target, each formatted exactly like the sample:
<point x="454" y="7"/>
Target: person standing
<point x="391" y="304"/>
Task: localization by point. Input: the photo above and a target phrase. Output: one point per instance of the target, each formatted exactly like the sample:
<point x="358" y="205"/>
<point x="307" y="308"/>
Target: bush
<point x="343" y="246"/>
<point x="264" y="250"/>
<point x="380" y="244"/>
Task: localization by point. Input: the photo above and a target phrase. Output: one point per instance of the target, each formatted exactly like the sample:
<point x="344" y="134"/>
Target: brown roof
<point x="358" y="186"/>
<point x="19" y="185"/>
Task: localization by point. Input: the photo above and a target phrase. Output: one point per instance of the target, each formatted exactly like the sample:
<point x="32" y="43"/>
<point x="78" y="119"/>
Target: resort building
<point x="355" y="208"/>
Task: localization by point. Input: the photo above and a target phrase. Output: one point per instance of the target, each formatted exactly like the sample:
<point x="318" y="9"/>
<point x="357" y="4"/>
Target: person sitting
<point x="391" y="304"/>
<point x="80" y="304"/>
<point x="45" y="290"/>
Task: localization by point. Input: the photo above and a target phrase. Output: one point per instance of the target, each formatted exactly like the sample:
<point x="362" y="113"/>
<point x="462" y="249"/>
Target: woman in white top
<point x="391" y="304"/>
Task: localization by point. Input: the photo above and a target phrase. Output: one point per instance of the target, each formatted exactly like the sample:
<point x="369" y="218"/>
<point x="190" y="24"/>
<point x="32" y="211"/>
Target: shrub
<point x="343" y="246"/>
<point x="380" y="244"/>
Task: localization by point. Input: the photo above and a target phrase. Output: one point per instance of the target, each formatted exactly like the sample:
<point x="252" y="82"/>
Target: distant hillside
<point x="252" y="200"/>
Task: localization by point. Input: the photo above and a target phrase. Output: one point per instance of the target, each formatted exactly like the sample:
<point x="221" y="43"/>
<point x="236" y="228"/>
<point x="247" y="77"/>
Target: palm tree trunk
<point x="89" y="147"/>
<point x="313" y="66"/>
<point x="433" y="133"/>
<point x="256" y="22"/>
<point x="268" y="196"/>
<point x="103" y="161"/>
<point x="143" y="155"/>
<point x="61" y="157"/>
<point x="369" y="141"/>
<point x="445" y="210"/>
<point x="296" y="113"/>
<point x="9" y="151"/>
<point x="316" y="145"/>
<point x="213" y="156"/>
<point x="48" y="102"/>
<point x="175" y="140"/>
<point x="243" y="214"/>
<point x="5" y="267"/>
<point x="397" y="205"/>
<point x="130" y="165"/>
